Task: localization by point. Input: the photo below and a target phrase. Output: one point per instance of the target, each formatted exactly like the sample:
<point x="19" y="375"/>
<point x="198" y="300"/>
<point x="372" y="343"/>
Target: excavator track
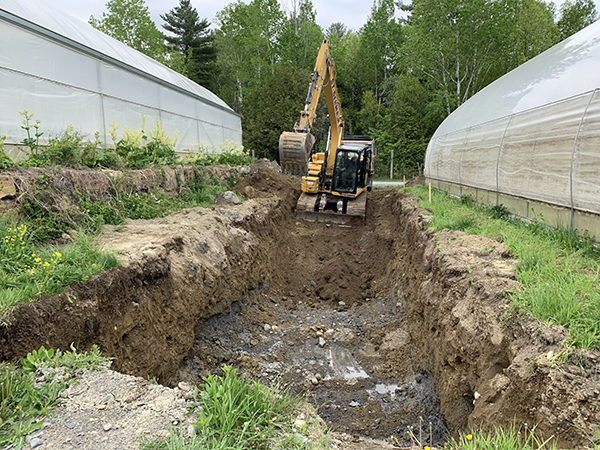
<point x="307" y="209"/>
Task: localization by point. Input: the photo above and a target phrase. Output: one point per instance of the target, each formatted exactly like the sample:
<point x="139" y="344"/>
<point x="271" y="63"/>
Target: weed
<point x="23" y="398"/>
<point x="5" y="161"/>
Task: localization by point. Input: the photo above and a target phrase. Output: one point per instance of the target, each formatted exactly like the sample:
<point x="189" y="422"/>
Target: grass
<point x="510" y="439"/>
<point x="25" y="397"/>
<point x="235" y="412"/>
<point x="29" y="270"/>
<point x="558" y="269"/>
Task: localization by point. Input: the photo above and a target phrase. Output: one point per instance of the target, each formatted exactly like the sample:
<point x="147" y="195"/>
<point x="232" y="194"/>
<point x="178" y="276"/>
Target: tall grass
<point x="557" y="268"/>
<point x="237" y="413"/>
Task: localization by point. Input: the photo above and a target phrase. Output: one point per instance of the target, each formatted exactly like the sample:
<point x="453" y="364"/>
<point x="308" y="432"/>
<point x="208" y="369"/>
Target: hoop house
<point x="68" y="73"/>
<point x="531" y="139"/>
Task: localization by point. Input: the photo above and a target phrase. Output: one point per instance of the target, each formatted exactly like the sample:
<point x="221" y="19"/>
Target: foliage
<point x="576" y="15"/>
<point x="534" y="31"/>
<point x="129" y="21"/>
<point x="248" y="46"/>
<point x="275" y="107"/>
<point x="381" y="39"/>
<point x="229" y="154"/>
<point x="29" y="271"/>
<point x="557" y="268"/>
<point x="137" y="150"/>
<point x="193" y="41"/>
<point x="5" y="161"/>
<point x="301" y="37"/>
<point x="23" y="398"/>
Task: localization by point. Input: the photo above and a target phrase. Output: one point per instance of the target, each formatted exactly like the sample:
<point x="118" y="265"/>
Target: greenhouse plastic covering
<point x="534" y="133"/>
<point x="68" y="73"/>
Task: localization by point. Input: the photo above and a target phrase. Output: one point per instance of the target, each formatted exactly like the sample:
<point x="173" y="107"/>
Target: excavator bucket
<point x="294" y="152"/>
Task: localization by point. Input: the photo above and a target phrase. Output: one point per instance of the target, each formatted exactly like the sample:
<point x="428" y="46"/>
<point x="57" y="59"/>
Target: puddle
<point x="344" y="365"/>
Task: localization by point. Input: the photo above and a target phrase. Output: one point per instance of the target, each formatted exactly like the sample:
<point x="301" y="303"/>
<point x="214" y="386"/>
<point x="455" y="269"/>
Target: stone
<point x="35" y="442"/>
<point x="227" y="198"/>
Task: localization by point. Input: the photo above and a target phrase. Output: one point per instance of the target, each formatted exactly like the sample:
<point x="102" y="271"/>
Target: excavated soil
<point x="384" y="326"/>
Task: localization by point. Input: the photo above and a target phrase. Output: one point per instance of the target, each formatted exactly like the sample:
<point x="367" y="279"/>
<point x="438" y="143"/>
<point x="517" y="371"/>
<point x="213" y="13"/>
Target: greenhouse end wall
<point x="96" y="81"/>
<point x="531" y="140"/>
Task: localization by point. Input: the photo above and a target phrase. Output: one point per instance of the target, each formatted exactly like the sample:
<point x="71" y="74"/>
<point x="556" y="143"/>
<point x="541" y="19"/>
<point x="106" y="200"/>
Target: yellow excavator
<point x="333" y="182"/>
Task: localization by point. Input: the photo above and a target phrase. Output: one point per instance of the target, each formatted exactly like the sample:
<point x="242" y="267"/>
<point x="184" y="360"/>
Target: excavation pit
<point x="382" y="325"/>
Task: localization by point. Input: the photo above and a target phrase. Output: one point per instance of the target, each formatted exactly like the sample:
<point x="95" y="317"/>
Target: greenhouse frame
<point x="531" y="140"/>
<point x="66" y="72"/>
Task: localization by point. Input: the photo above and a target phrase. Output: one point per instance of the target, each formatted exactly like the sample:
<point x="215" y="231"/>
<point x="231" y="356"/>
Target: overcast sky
<point x="352" y="13"/>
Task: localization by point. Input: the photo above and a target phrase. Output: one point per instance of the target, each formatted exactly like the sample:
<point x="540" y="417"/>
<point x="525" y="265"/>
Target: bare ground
<point x="382" y="325"/>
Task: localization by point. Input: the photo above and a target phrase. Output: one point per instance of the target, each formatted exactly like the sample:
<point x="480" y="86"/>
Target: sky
<point x="352" y="13"/>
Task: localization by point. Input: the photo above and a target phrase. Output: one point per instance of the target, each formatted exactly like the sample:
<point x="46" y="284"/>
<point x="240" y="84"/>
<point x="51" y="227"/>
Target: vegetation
<point x="26" y="395"/>
<point x="235" y="412"/>
<point x="29" y="266"/>
<point x="557" y="268"/>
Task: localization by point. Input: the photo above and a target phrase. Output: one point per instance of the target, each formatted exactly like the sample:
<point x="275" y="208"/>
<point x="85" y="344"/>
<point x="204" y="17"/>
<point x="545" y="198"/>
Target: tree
<point x="273" y="107"/>
<point x="575" y="15"/>
<point x="248" y="46"/>
<point x="534" y="32"/>
<point x="129" y="22"/>
<point x="381" y="37"/>
<point x="459" y="44"/>
<point x="192" y="39"/>
<point x="301" y="36"/>
<point x="335" y="30"/>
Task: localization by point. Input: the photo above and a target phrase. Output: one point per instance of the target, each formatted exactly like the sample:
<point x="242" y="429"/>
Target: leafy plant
<point x="229" y="154"/>
<point x="5" y="160"/>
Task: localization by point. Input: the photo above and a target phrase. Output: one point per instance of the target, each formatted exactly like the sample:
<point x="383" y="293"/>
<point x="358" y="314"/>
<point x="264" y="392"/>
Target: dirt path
<point x="383" y="326"/>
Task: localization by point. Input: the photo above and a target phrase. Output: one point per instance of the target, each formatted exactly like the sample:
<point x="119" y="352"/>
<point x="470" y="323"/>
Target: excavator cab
<point x="351" y="169"/>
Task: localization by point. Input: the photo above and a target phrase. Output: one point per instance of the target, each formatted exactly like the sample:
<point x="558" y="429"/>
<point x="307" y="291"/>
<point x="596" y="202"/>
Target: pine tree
<point x="192" y="38"/>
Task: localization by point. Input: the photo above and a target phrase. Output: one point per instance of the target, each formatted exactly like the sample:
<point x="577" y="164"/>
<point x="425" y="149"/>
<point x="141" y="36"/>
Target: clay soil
<point x="385" y="327"/>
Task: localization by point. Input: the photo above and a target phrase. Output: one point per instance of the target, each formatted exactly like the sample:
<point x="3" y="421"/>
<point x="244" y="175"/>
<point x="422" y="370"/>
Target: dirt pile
<point x="371" y="320"/>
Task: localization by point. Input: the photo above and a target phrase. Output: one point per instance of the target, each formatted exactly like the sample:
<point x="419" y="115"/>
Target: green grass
<point x="25" y="399"/>
<point x="236" y="412"/>
<point x="557" y="268"/>
<point x="511" y="439"/>
<point x="29" y="270"/>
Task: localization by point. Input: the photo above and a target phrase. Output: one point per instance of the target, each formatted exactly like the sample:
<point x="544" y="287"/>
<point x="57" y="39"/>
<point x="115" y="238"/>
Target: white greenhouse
<point x="531" y="139"/>
<point x="68" y="73"/>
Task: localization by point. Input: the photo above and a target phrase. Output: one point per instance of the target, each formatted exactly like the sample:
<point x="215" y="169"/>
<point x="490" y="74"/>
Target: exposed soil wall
<point x="491" y="366"/>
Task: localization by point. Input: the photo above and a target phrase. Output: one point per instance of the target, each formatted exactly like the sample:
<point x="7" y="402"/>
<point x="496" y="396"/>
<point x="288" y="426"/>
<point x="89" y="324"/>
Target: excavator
<point x="333" y="182"/>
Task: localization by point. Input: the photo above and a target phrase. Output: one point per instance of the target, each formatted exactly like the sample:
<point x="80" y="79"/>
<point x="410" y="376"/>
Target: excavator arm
<point x="295" y="147"/>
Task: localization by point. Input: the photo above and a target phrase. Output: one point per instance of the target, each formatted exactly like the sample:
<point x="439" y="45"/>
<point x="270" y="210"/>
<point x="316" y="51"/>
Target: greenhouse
<point x="531" y="140"/>
<point x="66" y="72"/>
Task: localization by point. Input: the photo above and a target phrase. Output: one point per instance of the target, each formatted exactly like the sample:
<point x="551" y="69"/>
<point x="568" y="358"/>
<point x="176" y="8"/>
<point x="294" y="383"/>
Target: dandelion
<point x="469" y="437"/>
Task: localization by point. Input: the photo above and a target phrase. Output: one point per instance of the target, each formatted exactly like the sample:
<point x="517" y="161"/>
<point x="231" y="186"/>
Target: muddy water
<point x="325" y="352"/>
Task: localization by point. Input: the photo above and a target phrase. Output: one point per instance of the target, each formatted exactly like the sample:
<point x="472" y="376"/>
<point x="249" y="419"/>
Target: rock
<point x="267" y="327"/>
<point x="249" y="191"/>
<point x="227" y="198"/>
<point x="35" y="442"/>
<point x="107" y="426"/>
<point x="354" y="404"/>
<point x="321" y="342"/>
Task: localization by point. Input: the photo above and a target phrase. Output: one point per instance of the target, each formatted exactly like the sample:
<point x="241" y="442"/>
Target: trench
<point x="385" y="328"/>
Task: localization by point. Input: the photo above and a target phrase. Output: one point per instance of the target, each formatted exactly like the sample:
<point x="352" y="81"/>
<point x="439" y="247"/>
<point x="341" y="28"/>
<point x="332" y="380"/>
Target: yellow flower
<point x="426" y="448"/>
<point x="469" y="437"/>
